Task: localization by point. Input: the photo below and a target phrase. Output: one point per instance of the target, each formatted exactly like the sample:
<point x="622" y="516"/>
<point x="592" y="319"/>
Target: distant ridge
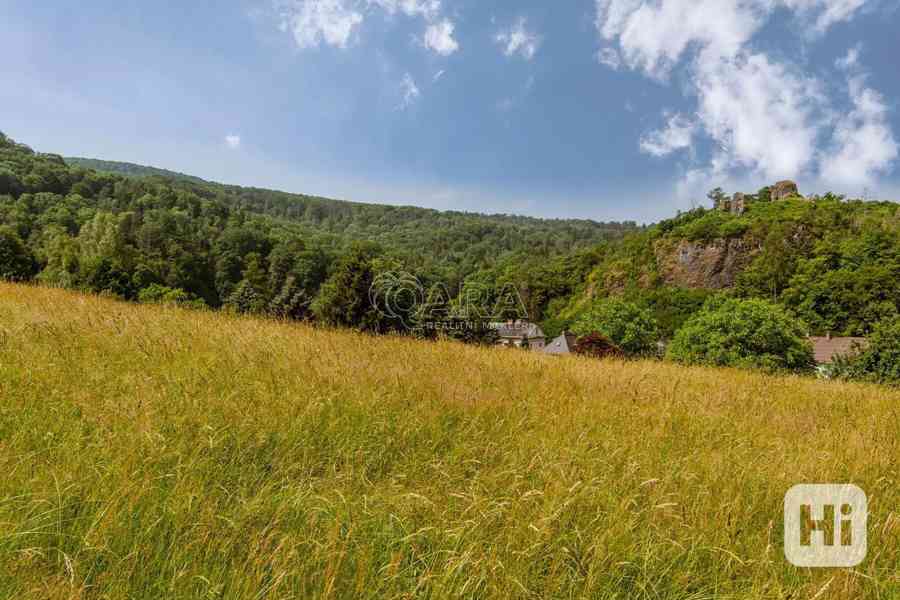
<point x="285" y="204"/>
<point x="130" y="169"/>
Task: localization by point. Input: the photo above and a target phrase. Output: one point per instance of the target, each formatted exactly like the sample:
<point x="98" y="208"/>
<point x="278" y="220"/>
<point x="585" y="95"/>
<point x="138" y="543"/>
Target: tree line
<point x="153" y="236"/>
<point x="149" y="235"/>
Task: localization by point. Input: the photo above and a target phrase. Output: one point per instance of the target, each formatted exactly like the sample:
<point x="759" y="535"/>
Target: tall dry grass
<point x="149" y="452"/>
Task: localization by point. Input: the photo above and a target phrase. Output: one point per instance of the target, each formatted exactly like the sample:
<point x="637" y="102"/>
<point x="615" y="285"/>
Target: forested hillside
<point x="833" y="262"/>
<point x="155" y="235"/>
<point x="129" y="169"/>
<point x="468" y="240"/>
<point x="151" y="235"/>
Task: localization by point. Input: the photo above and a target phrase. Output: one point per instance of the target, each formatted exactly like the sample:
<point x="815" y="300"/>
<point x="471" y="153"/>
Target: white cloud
<point x="410" y="92"/>
<point x="439" y="37"/>
<point x="429" y="9"/>
<point x="676" y="135"/>
<point x="609" y="57"/>
<point x="334" y="22"/>
<point x="438" y="75"/>
<point x="519" y="40"/>
<point x="313" y="22"/>
<point x="233" y="141"/>
<point x="652" y="36"/>
<point x="850" y="61"/>
<point x="864" y="145"/>
<point x="826" y="12"/>
<point x="762" y="115"/>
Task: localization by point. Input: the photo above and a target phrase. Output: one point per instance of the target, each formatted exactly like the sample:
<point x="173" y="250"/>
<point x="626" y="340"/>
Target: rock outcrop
<point x="738" y="204"/>
<point x="784" y="190"/>
<point x="711" y="265"/>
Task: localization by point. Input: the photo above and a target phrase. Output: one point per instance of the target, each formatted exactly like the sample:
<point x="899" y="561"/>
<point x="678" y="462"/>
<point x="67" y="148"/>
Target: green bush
<point x="16" y="261"/>
<point x="745" y="334"/>
<point x="245" y="299"/>
<point x="630" y="327"/>
<point x="879" y="360"/>
<point x="160" y="294"/>
<point x="712" y="225"/>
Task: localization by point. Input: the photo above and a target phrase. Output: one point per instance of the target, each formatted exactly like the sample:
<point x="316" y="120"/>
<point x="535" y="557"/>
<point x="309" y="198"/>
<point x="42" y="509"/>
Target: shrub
<point x="291" y="302"/>
<point x="597" y="345"/>
<point x="245" y="299"/>
<point x="745" y="334"/>
<point x="712" y="225"/>
<point x="161" y="294"/>
<point x="16" y="261"/>
<point x="345" y="300"/>
<point x="879" y="360"/>
<point x="630" y="327"/>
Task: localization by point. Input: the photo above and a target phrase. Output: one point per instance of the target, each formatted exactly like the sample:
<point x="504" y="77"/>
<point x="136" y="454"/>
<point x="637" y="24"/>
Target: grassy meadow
<point x="150" y="452"/>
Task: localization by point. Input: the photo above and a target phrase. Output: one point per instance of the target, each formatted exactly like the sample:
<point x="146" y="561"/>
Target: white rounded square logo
<point x="826" y="525"/>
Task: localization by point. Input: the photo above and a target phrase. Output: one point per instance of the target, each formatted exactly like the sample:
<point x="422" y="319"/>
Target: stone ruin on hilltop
<point x="783" y="190"/>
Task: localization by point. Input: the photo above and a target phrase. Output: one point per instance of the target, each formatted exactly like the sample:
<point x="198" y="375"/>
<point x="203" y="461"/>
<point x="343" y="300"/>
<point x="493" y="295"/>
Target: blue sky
<point x="603" y="109"/>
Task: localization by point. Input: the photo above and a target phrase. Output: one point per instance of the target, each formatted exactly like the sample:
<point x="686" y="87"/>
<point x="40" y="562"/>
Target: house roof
<point x="564" y="344"/>
<point x="519" y="330"/>
<point x="827" y="349"/>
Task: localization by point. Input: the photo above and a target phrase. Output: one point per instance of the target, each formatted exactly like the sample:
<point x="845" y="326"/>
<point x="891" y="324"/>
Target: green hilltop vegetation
<point x="474" y="240"/>
<point x="833" y="262"/>
<point x="819" y="265"/>
<point x="157" y="233"/>
<point x="130" y="169"/>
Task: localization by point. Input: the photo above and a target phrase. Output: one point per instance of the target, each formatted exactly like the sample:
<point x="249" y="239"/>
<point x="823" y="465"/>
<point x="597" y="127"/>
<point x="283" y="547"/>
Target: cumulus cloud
<point x="233" y="141"/>
<point x="864" y="145"/>
<point x="763" y="115"/>
<point x="826" y="12"/>
<point x="849" y="61"/>
<point x="409" y="91"/>
<point x="313" y="22"/>
<point x="439" y="37"/>
<point x="429" y="9"/>
<point x="518" y="39"/>
<point x="652" y="36"/>
<point x="610" y="58"/>
<point x="676" y="135"/>
<point x="335" y="22"/>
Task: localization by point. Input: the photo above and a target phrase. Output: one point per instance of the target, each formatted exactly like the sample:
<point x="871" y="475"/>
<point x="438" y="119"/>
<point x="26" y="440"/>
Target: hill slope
<point x="122" y="235"/>
<point x="150" y="452"/>
<point x="834" y="262"/>
<point x="378" y="222"/>
<point x="130" y="169"/>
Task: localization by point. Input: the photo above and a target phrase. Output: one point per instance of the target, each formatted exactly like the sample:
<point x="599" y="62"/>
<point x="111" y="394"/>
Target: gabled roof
<point x="564" y="344"/>
<point x="827" y="349"/>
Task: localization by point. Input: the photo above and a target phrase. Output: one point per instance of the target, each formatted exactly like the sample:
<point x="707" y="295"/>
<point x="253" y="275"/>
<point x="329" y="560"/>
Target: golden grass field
<point x="149" y="452"/>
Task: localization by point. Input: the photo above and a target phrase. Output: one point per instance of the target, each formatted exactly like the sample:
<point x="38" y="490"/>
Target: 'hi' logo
<point x="825" y="525"/>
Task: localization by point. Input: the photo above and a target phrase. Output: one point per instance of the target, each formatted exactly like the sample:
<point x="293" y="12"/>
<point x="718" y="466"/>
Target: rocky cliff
<point x="710" y="265"/>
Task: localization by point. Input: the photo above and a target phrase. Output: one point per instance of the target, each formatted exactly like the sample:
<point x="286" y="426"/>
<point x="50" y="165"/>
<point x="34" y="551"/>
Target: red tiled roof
<point x="828" y="348"/>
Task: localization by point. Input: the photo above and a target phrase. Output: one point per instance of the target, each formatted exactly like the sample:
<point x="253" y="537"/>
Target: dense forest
<point x="148" y="234"/>
<point x="145" y="234"/>
<point x="832" y="262"/>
